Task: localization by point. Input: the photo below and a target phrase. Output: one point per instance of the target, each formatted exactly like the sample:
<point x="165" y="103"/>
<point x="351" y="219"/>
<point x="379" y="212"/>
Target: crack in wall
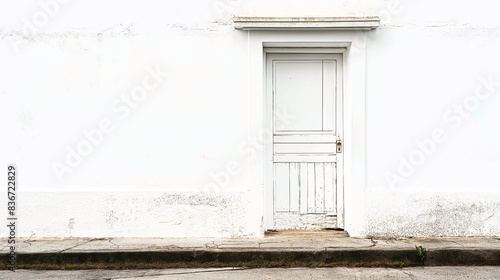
<point x="111" y="32"/>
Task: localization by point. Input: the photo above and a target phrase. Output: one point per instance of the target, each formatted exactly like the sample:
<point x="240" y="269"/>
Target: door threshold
<point x="307" y="233"/>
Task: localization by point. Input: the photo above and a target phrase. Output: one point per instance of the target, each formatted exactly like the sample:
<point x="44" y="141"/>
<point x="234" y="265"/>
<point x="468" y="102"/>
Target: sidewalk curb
<point x="257" y="258"/>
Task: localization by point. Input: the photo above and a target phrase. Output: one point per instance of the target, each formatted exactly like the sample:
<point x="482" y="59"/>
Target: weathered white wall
<point x="426" y="64"/>
<point x="68" y="70"/>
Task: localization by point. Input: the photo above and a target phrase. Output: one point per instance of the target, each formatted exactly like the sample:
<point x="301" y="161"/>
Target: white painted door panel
<point x="328" y="95"/>
<point x="304" y="159"/>
<point x="300" y="88"/>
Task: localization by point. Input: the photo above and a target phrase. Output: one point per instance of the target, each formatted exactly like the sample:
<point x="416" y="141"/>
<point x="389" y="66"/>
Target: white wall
<point x="422" y="67"/>
<point x="65" y="69"/>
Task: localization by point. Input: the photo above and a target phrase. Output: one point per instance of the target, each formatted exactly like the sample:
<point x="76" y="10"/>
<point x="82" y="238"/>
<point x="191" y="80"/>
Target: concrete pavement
<point x="285" y="249"/>
<point x="411" y="273"/>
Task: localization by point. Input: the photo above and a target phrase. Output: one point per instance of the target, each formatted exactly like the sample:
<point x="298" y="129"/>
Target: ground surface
<point x="275" y="250"/>
<point x="477" y="272"/>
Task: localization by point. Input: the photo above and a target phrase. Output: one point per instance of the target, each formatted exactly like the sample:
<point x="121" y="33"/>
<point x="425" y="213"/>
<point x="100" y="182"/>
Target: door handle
<point x="339" y="146"/>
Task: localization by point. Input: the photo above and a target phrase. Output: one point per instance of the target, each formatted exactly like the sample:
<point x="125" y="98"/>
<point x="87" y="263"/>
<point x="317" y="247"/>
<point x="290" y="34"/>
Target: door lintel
<point x="306" y="23"/>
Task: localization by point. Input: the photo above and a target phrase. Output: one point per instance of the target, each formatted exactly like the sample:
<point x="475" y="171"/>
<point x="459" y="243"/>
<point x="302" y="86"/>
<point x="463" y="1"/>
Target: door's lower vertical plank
<point x="329" y="188"/>
<point x="303" y="187"/>
<point x="320" y="187"/>
<point x="281" y="187"/>
<point x="335" y="187"/>
<point x="311" y="189"/>
<point x="294" y="187"/>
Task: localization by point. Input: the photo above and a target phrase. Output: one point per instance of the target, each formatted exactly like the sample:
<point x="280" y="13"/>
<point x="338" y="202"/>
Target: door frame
<point x="354" y="58"/>
<point x="290" y="54"/>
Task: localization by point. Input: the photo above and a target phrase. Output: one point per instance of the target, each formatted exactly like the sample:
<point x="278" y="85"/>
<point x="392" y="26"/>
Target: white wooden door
<point x="305" y="110"/>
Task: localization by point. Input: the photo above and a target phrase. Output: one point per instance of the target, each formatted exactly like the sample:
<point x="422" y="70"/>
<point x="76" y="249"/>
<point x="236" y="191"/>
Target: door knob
<point x="339" y="146"/>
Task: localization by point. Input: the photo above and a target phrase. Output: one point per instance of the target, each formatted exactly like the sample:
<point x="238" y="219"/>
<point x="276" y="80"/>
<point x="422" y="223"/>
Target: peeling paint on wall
<point x="426" y="215"/>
